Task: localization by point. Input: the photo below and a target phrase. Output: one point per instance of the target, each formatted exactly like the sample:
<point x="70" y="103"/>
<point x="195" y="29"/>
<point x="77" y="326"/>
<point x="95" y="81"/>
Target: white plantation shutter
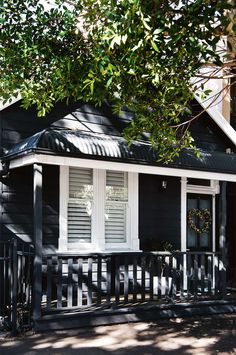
<point x="116" y="206"/>
<point x="80" y="205"/>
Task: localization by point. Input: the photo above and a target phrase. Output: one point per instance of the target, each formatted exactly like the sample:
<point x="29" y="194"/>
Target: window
<point x="98" y="210"/>
<point x="80" y="205"/>
<point x="116" y="207"/>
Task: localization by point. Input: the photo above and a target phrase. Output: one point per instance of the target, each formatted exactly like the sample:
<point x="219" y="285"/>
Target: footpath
<point x="196" y="335"/>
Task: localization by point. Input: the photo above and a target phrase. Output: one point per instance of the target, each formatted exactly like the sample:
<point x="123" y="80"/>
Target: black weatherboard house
<point x="92" y="227"/>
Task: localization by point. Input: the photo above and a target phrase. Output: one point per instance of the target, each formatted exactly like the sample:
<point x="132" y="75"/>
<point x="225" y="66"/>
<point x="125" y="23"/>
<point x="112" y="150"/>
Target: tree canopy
<point x="136" y="53"/>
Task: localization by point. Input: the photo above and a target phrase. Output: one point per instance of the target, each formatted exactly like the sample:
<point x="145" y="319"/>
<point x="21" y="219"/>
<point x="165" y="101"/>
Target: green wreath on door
<point x="204" y="215"/>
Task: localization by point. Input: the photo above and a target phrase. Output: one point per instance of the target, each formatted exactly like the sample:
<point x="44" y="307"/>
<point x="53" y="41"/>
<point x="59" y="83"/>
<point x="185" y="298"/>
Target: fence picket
<point x="59" y="282"/>
<point x="70" y="286"/>
<point x="126" y="280"/>
<point x="90" y="274"/>
<point x="99" y="280"/>
<point x="135" y="282"/>
<point x="143" y="274"/>
<point x="108" y="291"/>
<point x="49" y="282"/>
<point x="209" y="273"/>
<point x="151" y="277"/>
<point x="80" y="283"/>
<point x="174" y="278"/>
<point x="159" y="275"/>
<point x="202" y="274"/>
<point x="195" y="275"/>
<point x="117" y="279"/>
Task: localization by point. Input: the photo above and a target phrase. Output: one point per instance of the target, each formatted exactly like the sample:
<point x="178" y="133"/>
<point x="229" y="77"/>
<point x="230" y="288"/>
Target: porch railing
<point x="16" y="267"/>
<point x="74" y="281"/>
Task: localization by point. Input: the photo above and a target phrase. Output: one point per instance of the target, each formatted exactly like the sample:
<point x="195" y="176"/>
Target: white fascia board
<point x="135" y="168"/>
<point x="219" y="119"/>
<point x="10" y="102"/>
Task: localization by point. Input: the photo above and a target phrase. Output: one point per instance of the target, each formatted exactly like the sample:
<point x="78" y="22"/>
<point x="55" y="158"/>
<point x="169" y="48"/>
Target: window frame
<point x="113" y="202"/>
<point x="98" y="243"/>
<point x="79" y="201"/>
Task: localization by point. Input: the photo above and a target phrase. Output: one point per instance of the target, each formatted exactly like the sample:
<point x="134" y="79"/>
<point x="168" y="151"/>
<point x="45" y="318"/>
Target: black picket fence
<point x="16" y="276"/>
<point x="83" y="281"/>
<point x="103" y="280"/>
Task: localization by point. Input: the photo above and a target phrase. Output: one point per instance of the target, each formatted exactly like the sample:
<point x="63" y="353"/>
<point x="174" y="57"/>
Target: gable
<point x="17" y="123"/>
<point x="207" y="134"/>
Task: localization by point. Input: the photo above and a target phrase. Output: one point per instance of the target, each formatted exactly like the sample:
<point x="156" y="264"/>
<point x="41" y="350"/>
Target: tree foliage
<point x="137" y="53"/>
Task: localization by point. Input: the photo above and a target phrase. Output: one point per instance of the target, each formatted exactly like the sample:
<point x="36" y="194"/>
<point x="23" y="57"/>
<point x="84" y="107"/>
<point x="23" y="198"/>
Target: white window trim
<point x="98" y="219"/>
<point x="132" y="240"/>
<point x="63" y="203"/>
<point x="183" y="213"/>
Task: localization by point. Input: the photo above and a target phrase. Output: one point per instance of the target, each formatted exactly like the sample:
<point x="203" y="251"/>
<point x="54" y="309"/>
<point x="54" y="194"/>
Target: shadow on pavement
<point x="196" y="335"/>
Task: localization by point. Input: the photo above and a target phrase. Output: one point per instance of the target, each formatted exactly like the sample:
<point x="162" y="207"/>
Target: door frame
<point x="213" y="189"/>
<point x="212" y="242"/>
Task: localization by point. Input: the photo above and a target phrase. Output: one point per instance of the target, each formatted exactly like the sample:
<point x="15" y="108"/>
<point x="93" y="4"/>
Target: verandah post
<point x="222" y="236"/>
<point x="14" y="270"/>
<point x="38" y="234"/>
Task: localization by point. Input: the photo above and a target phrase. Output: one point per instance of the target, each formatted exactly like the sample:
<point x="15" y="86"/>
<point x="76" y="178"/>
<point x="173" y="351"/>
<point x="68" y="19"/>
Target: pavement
<point x="196" y="335"/>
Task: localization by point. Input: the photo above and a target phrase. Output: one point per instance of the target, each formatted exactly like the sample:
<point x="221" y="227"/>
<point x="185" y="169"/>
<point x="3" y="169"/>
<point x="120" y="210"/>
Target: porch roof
<point x="80" y="144"/>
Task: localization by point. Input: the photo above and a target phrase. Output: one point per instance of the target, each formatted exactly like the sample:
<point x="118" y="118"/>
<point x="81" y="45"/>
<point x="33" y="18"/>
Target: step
<point x="72" y="320"/>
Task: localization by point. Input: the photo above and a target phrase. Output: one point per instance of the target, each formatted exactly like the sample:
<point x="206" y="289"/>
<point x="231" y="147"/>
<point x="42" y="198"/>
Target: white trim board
<point x="9" y="102"/>
<point x="219" y="119"/>
<point x="135" y="168"/>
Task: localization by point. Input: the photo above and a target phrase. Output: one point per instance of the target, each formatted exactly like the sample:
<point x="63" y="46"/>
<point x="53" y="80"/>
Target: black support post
<point x="14" y="267"/>
<point x="38" y="234"/>
<point x="222" y="235"/>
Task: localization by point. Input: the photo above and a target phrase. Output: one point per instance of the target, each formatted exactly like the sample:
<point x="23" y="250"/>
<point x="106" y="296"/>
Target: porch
<point x="103" y="288"/>
<point x="108" y="288"/>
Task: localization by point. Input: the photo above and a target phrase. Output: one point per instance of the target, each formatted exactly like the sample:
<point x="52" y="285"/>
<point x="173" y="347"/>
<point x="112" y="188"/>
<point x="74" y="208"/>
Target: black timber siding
<point x="17" y="205"/>
<point x="207" y="134"/>
<point x="18" y="123"/>
<point x="159" y="212"/>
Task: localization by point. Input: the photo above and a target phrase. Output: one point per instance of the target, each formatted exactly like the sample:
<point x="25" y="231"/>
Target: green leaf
<point x="158" y="31"/>
<point x="154" y="46"/>
<point x="109" y="81"/>
<point x="131" y="72"/>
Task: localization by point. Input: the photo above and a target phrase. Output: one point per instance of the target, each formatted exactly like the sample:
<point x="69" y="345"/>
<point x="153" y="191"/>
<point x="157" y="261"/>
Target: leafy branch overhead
<point x="137" y="53"/>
